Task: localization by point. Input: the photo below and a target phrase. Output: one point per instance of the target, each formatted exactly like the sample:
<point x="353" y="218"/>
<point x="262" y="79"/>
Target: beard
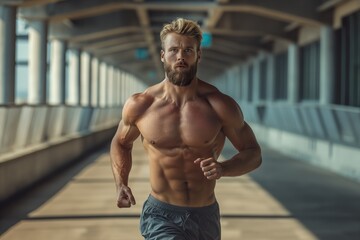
<point x="180" y="78"/>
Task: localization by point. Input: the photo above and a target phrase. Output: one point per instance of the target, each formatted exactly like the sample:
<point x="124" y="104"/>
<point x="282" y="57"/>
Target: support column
<point x="57" y="72"/>
<point x="37" y="62"/>
<point x="110" y="86"/>
<point x="122" y="87"/>
<point x="270" y="71"/>
<point x="245" y="82"/>
<point x="74" y="77"/>
<point x="237" y="86"/>
<point x="293" y="73"/>
<point x="7" y="56"/>
<point x="117" y="91"/>
<point x="102" y="85"/>
<point x="231" y="78"/>
<point x="85" y="88"/>
<point x="327" y="65"/>
<point x="95" y="82"/>
<point x="256" y="81"/>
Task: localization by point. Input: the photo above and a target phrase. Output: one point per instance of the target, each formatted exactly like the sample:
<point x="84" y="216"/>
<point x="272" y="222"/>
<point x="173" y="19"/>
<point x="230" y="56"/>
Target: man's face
<point x="180" y="57"/>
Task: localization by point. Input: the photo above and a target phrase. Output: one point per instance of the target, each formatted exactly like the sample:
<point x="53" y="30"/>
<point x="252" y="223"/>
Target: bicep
<point x="127" y="130"/>
<point x="241" y="136"/>
<point x="235" y="128"/>
<point x="126" y="133"/>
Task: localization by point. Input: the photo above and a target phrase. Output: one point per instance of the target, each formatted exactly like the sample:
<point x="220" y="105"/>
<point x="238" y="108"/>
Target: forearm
<point x="121" y="162"/>
<point x="242" y="163"/>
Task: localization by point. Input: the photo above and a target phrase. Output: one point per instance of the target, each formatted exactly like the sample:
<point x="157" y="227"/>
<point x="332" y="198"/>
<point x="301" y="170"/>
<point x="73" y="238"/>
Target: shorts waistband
<point x="169" y="207"/>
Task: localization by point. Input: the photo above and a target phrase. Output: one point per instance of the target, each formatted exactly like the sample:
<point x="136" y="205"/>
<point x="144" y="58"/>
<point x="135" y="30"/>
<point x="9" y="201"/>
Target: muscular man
<point x="183" y="122"/>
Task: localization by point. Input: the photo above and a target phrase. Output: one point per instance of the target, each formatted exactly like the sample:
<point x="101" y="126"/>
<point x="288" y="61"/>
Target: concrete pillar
<point x="110" y="86"/>
<point x="237" y="85"/>
<point x="74" y="77"/>
<point x="256" y="81"/>
<point x="57" y="72"/>
<point x="327" y="65"/>
<point x="117" y="87"/>
<point x="7" y="54"/>
<point x="270" y="77"/>
<point x="233" y="78"/>
<point x="122" y="87"/>
<point x="245" y="81"/>
<point x="133" y="90"/>
<point x="85" y="88"/>
<point x="102" y="84"/>
<point x="37" y="62"/>
<point x="95" y="82"/>
<point x="293" y="73"/>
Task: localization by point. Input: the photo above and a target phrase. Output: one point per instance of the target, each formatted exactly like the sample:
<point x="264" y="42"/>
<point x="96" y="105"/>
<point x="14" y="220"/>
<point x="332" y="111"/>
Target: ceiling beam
<point x="239" y="46"/>
<point x="304" y="12"/>
<point x="113" y="42"/>
<point x="27" y="3"/>
<point x="329" y="4"/>
<point x="145" y="24"/>
<point x="222" y="57"/>
<point x="119" y="48"/>
<point x="91" y="34"/>
<point x="252" y="33"/>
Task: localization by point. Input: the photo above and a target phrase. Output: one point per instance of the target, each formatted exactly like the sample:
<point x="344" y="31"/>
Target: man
<point x="183" y="122"/>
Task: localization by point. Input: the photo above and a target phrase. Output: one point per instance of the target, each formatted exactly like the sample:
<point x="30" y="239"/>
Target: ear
<point x="162" y="55"/>
<point x="199" y="55"/>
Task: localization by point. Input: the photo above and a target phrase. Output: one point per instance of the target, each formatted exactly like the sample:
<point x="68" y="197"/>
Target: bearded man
<point x="183" y="122"/>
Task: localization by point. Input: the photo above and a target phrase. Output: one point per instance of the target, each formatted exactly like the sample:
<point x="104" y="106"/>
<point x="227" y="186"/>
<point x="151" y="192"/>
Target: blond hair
<point x="184" y="27"/>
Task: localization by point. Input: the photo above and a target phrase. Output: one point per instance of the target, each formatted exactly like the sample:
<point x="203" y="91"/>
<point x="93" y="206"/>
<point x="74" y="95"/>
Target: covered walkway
<point x="68" y="66"/>
<point x="283" y="200"/>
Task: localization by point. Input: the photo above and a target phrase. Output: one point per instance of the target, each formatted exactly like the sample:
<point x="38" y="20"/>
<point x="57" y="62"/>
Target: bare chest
<point x="168" y="126"/>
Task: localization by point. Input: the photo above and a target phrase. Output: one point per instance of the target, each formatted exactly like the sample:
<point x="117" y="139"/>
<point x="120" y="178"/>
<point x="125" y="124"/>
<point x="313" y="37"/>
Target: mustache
<point x="181" y="64"/>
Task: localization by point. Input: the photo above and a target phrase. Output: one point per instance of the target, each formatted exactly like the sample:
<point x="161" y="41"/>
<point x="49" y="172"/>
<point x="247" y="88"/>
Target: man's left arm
<point x="248" y="157"/>
<point x="240" y="135"/>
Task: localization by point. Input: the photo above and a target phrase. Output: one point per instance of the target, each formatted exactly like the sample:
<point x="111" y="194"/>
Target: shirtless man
<point x="183" y="122"/>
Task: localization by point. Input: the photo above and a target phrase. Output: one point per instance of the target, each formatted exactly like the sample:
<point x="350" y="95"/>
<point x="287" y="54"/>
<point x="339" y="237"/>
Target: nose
<point x="180" y="55"/>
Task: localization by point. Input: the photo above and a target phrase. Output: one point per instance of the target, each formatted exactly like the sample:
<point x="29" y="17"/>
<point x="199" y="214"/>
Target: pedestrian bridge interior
<point x="68" y="66"/>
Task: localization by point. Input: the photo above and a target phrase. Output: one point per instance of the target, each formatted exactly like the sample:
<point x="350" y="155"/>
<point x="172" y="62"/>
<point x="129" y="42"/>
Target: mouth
<point x="180" y="66"/>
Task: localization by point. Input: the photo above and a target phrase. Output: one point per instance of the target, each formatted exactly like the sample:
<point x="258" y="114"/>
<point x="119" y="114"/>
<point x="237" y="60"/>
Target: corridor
<point x="283" y="200"/>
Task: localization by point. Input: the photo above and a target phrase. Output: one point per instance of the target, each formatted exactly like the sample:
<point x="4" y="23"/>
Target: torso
<point x="174" y="137"/>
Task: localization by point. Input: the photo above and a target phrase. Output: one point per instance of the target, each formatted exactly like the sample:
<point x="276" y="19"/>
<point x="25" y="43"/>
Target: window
<point x="281" y="71"/>
<point x="263" y="79"/>
<point x="310" y="71"/>
<point x="347" y="59"/>
<point x="21" y="84"/>
<point x="250" y="82"/>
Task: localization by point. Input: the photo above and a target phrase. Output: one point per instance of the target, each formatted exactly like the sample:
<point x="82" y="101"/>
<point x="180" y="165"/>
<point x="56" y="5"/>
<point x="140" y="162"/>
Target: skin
<point x="183" y="129"/>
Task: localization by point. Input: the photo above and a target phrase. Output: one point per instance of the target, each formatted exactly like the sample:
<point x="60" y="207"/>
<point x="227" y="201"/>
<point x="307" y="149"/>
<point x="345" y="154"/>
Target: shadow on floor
<point x="327" y="204"/>
<point x="18" y="207"/>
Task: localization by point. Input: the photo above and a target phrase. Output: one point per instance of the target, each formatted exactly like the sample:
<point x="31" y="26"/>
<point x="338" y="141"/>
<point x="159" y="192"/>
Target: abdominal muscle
<point x="176" y="179"/>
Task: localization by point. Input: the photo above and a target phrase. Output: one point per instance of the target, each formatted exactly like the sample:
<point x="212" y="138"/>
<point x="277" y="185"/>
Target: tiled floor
<point x="283" y="200"/>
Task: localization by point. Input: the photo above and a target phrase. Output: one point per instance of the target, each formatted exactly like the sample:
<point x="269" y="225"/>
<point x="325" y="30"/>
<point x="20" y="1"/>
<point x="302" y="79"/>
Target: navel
<point x="186" y="185"/>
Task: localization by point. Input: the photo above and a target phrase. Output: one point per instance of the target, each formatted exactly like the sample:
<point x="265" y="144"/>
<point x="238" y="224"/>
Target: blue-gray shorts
<point x="164" y="221"/>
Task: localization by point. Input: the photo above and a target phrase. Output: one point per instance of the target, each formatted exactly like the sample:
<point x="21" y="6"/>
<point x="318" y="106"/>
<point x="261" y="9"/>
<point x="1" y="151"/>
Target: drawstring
<point x="187" y="215"/>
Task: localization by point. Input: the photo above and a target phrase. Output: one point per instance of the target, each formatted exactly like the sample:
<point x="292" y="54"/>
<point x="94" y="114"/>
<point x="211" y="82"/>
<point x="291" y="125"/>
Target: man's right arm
<point x="120" y="153"/>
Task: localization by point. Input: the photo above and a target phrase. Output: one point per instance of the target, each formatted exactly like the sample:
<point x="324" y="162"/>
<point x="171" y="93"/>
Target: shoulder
<point x="135" y="106"/>
<point x="225" y="106"/>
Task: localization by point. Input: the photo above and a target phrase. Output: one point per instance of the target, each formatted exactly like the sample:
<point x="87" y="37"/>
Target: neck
<point x="180" y="94"/>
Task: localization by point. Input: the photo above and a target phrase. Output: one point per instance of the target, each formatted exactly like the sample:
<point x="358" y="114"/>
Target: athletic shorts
<point x="163" y="221"/>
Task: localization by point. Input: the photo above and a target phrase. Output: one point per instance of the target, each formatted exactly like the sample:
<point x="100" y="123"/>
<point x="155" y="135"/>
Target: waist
<point x="182" y="209"/>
